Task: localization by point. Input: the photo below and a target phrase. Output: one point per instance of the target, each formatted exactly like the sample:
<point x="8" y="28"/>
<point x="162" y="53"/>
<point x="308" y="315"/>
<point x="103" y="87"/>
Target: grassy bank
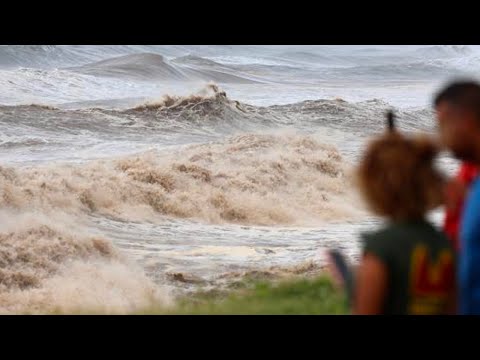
<point x="295" y="297"/>
<point x="303" y="291"/>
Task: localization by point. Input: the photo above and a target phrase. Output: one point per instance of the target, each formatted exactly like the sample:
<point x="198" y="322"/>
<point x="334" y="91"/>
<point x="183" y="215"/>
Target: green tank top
<point x="420" y="262"/>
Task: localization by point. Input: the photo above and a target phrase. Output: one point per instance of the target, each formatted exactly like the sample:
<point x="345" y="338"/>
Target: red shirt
<point x="467" y="173"/>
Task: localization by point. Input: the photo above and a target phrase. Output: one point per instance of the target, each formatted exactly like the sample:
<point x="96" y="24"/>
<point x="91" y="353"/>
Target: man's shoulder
<point x="474" y="193"/>
<point x="468" y="172"/>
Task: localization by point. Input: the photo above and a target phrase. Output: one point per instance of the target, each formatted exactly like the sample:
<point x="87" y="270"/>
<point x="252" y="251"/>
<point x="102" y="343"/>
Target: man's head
<point x="458" y="112"/>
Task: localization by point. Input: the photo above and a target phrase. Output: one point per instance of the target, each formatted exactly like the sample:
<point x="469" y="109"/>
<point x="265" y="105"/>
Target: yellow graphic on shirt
<point x="431" y="281"/>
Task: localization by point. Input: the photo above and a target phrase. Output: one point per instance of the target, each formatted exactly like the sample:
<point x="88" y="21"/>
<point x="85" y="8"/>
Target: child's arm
<point x="370" y="286"/>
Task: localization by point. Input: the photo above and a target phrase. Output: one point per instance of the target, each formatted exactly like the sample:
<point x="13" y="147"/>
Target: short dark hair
<point x="461" y="93"/>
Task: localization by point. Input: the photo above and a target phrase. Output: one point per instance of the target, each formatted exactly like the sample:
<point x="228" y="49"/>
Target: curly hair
<point x="397" y="177"/>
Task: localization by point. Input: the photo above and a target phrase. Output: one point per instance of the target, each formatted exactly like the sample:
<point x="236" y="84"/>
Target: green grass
<point x="256" y="295"/>
<point x="299" y="297"/>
